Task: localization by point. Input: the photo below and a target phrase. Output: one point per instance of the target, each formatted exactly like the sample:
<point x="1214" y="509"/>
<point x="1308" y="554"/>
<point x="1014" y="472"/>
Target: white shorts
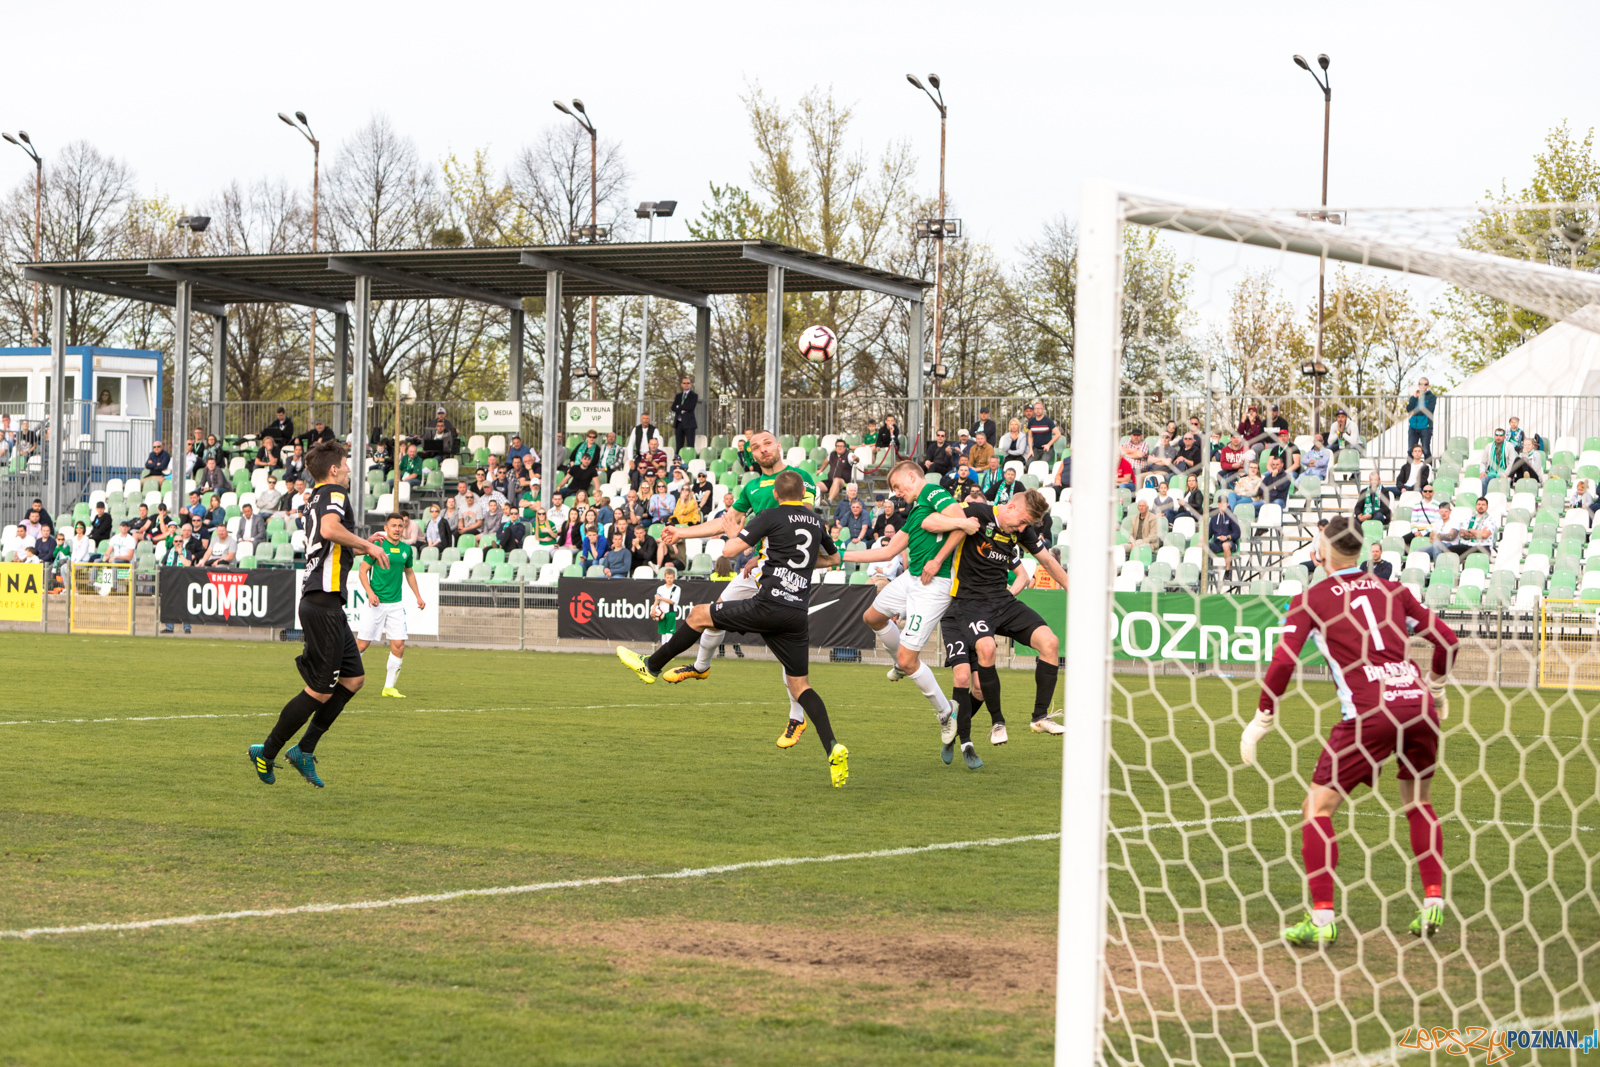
<point x="741" y="588"/>
<point x="386" y="622"/>
<point x="919" y="607"/>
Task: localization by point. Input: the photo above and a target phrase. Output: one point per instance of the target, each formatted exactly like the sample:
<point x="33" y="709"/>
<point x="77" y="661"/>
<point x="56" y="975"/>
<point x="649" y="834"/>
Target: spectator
<point x="939" y="457"/>
<point x="436" y="532"/>
<point x="411" y="471"/>
<point x="1223" y="534"/>
<point x="1286" y="451"/>
<point x="318" y="433"/>
<point x="1125" y="474"/>
<point x="643" y="546"/>
<point x="122" y="546"/>
<point x="1250" y="430"/>
<point x="882" y="572"/>
<point x="704" y="491"/>
<point x="140" y="525"/>
<point x="579" y="477"/>
<point x="27" y="440"/>
<point x="613" y="455"/>
<point x="1318" y="459"/>
<point x="1164" y="504"/>
<point x="493" y="519"/>
<point x="8" y="438"/>
<point x="197" y="452"/>
<point x="840" y="471"/>
<point x="1344" y="433"/>
<point x="155" y="466"/>
<point x="963" y="443"/>
<point x="281" y="428"/>
<point x="269" y="454"/>
<point x="441" y="441"/>
<point x="1419" y="422"/>
<point x="1061" y="476"/>
<point x="469" y="515"/>
<point x="1162" y="455"/>
<point x="1247" y="488"/>
<point x="100" y="528"/>
<point x="1013" y="444"/>
<point x="83" y="545"/>
<point x="985" y="426"/>
<point x="842" y="508"/>
<point x="1445" y="534"/>
<point x="1582" y="495"/>
<point x="1137" y="455"/>
<point x="1372" y="503"/>
<point x="991" y="477"/>
<point x="1497" y="459"/>
<point x="518" y="450"/>
<point x="1277" y="483"/>
<point x="1427" y="518"/>
<point x="1525" y="465"/>
<point x="1189" y="456"/>
<point x="1232" y="459"/>
<point x="1043" y="432"/>
<point x="638" y="446"/>
<point x="653" y="463"/>
<point x="222" y="551"/>
<point x="661" y="504"/>
<point x="294" y="467"/>
<point x="890" y="437"/>
<point x="1414" y="472"/>
<point x="297" y="501"/>
<point x="214" y="479"/>
<point x="1193" y="502"/>
<point x="1143" y="529"/>
<point x="959" y="481"/>
<point x="1276" y="423"/>
<point x="856" y="523"/>
<point x="686" y="512"/>
<point x="1514" y="434"/>
<point x="1376" y="565"/>
<point x="1477" y="533"/>
<point x="617" y="561"/>
<point x="196" y="509"/>
<point x="685" y="414"/>
<point x="513" y="532"/>
<point x="252" y="524"/>
<point x="982" y="451"/>
<point x="216" y="514"/>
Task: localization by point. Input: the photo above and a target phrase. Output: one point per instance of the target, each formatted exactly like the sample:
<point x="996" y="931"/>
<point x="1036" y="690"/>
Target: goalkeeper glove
<point x="1441" y="699"/>
<point x="1255" y="732"/>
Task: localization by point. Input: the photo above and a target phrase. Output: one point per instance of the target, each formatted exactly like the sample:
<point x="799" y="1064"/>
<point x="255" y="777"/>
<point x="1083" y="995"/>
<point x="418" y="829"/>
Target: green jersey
<point x="388" y="583"/>
<point x="757" y="495"/>
<point x="921" y="545"/>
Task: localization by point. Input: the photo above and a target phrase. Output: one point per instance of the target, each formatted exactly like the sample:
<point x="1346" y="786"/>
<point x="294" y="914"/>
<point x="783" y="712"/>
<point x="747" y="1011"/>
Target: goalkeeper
<point x="1362" y="626"/>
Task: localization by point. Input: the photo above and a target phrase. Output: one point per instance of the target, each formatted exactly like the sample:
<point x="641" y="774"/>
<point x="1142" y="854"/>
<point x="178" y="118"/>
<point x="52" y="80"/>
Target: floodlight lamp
<point x="645" y="209"/>
<point x="12" y="139"/>
<point x="1300" y="61"/>
<point x="912" y="78"/>
<point x="578" y="104"/>
<point x="24" y="135"/>
<point x="286" y="118"/>
<point x="933" y="80"/>
<point x="301" y="115"/>
<point x="561" y="107"/>
<point x="194" y="223"/>
<point x="1322" y="61"/>
<point x="665" y="208"/>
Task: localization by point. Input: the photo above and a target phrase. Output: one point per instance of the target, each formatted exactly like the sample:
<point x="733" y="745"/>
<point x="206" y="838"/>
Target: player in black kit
<point x="796" y="542"/>
<point x="985" y="609"/>
<point x="331" y="663"/>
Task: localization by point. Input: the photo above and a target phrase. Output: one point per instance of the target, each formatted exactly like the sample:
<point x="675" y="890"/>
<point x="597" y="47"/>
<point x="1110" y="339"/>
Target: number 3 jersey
<point x="795" y="539"/>
<point x="327" y="564"/>
<point x="1362" y="625"/>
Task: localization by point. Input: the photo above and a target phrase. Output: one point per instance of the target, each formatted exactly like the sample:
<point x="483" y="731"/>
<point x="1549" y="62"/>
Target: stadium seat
<point x="549" y="574"/>
<point x="477" y="441"/>
<point x="450" y="468"/>
<point x="472" y="555"/>
<point x="459" y="572"/>
<point x="595" y="571"/>
<point x="450" y="555"/>
<point x="429" y="554"/>
<point x="466" y="541"/>
<point x="502" y="574"/>
<point x="481" y="573"/>
<point x="495" y="556"/>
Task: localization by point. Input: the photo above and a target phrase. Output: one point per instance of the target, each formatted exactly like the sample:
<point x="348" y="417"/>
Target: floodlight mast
<point x="938" y="235"/>
<point x="581" y="114"/>
<point x="303" y="127"/>
<point x="26" y="144"/>
<point x="1325" y="83"/>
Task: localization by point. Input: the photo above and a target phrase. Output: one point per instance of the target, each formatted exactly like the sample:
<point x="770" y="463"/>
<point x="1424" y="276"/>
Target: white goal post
<point x="1090" y="762"/>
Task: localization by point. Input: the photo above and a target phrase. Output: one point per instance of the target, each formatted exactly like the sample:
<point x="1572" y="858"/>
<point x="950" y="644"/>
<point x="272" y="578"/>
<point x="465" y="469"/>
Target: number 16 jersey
<point x="795" y="539"/>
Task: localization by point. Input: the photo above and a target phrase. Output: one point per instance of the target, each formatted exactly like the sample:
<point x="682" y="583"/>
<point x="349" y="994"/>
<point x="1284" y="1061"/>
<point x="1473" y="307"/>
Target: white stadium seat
<point x="450" y="467"/>
<point x="497" y="444"/>
<point x="472" y="556"/>
<point x="835" y="577"/>
<point x="476" y="442"/>
<point x="114" y="485"/>
<point x="460" y="571"/>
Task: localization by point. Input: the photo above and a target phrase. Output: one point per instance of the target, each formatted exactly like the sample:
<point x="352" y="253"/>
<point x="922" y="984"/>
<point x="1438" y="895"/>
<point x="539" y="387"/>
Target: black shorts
<point x="1001" y="616"/>
<point x="785" y="630"/>
<point x="331" y="651"/>
<point x="957" y="645"/>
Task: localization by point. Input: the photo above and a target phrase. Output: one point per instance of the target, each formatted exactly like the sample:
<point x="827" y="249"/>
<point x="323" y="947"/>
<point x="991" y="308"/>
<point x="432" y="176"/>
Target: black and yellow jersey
<point x="986" y="559"/>
<point x="327" y="564"/>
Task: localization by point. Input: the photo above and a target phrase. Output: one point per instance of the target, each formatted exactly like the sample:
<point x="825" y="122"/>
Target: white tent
<point x="1551" y="384"/>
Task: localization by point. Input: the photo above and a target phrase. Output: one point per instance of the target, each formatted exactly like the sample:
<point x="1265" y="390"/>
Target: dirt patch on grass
<point x="995" y="965"/>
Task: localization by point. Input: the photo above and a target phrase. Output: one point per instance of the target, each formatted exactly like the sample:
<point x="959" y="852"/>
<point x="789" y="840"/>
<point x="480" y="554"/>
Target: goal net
<point x="101" y="598"/>
<point x="1172" y="946"/>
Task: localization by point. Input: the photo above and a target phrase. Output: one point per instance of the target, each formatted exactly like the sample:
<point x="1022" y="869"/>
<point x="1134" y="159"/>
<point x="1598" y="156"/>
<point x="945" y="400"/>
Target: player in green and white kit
<point x="754" y="496"/>
<point x="921" y="595"/>
<point x="385" y="615"/>
<point x="668" y="599"/>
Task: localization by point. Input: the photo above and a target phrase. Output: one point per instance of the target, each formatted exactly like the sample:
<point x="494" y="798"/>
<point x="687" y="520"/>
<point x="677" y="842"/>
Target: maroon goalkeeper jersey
<point x="1362" y="626"/>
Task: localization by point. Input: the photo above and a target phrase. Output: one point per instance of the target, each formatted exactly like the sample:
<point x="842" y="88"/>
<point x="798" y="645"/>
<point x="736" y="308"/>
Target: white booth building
<point x="114" y="397"/>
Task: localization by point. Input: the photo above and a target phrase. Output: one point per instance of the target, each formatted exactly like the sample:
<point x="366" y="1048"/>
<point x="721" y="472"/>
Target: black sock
<point x="293" y="716"/>
<point x="989" y="679"/>
<point x="683" y="638"/>
<point x="977" y="706"/>
<point x="324" y="718"/>
<point x="1044" y="691"/>
<point x="963" y="698"/>
<point x="811" y="703"/>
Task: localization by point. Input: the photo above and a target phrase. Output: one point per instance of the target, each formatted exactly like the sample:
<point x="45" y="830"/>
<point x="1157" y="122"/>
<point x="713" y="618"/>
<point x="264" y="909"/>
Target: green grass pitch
<point x="506" y="769"/>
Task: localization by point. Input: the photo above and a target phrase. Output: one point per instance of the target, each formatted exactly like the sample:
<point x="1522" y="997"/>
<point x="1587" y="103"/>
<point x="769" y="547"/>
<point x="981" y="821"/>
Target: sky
<point x="1433" y="103"/>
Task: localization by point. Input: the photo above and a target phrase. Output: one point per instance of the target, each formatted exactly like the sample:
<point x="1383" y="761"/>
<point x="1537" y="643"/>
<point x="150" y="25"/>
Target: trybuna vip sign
<point x="504" y="416"/>
<point x="586" y="415"/>
<point x="1183" y="626"/>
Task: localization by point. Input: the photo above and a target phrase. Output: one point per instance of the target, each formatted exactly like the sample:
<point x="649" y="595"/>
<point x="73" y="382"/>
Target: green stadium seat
<point x="516" y="557"/>
<point x="1468" y="596"/>
<point x="450" y="555"/>
<point x="481" y="457"/>
<point x="1437" y="596"/>
<point x="466" y="541"/>
<point x="596" y="571"/>
<point x="430" y="554"/>
<point x="495" y="556"/>
<point x="575" y="571"/>
<point x="503" y="574"/>
<point x="247" y="563"/>
<point x="480" y="573"/>
<point x="858" y="578"/>
<point x="688" y="454"/>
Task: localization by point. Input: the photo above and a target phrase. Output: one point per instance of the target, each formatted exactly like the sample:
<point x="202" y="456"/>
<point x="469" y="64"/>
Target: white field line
<point x="537" y="887"/>
<point x="1394" y="1053"/>
<point x="365" y="711"/>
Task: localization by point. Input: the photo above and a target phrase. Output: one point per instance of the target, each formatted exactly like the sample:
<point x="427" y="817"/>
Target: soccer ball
<point x="817" y="343"/>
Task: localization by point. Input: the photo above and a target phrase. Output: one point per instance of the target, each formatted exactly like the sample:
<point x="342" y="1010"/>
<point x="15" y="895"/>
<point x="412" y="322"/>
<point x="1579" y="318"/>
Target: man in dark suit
<point x="684" y="420"/>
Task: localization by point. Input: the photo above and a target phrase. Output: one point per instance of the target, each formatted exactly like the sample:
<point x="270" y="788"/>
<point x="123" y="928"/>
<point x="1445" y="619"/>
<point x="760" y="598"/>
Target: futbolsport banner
<point x="1184" y="626"/>
<point x="618" y="609"/>
<point x="227" y="597"/>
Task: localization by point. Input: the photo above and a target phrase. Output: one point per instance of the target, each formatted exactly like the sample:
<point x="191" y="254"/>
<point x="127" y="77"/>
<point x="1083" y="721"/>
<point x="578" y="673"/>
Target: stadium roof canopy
<point x="345" y="283"/>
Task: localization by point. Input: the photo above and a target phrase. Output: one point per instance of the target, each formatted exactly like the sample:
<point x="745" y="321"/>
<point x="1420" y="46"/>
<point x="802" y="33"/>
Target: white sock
<point x="709" y="640"/>
<point x="392" y="675"/>
<point x="796" y="712"/>
<point x="665" y="638"/>
<point x="890" y="636"/>
<point x="1433" y="902"/>
<point x="929" y="686"/>
<point x="1322" y="917"/>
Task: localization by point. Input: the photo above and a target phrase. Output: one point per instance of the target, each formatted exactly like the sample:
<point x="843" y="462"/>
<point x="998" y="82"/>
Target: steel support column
<point x="219" y="371"/>
<point x="702" y="369"/>
<point x="55" y="414"/>
<point x="774" y="375"/>
<point x="514" y="355"/>
<point x="362" y="326"/>
<point x="549" y="432"/>
<point x="915" y="378"/>
<point x="341" y="373"/>
<point x="178" y="434"/>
